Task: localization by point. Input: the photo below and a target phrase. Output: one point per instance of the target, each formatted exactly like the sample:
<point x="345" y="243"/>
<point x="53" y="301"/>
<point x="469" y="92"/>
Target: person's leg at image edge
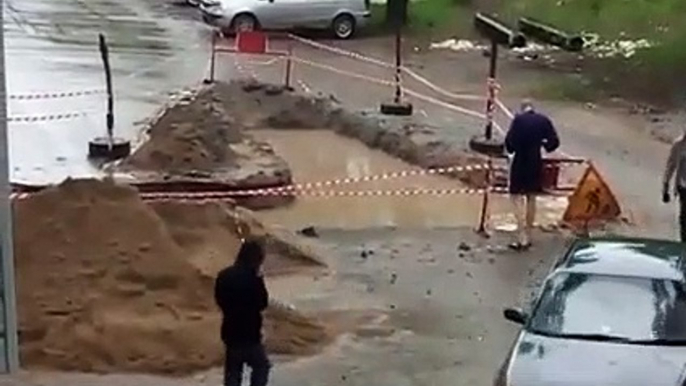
<point x="681" y="191"/>
<point x="530" y="217"/>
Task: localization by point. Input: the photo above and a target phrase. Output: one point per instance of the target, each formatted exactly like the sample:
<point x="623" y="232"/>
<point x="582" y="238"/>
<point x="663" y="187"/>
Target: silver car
<point x="342" y="17"/>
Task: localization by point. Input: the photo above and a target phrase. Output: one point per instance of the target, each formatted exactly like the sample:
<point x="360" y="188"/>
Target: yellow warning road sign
<point x="592" y="199"/>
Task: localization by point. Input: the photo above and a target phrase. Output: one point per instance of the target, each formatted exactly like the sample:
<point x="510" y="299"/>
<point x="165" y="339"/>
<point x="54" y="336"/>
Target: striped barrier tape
<point x="341" y="51"/>
<point x="44" y="118"/>
<point x="381" y="177"/>
<point x="420" y="79"/>
<point x="385" y="64"/>
<point x="408" y="71"/>
<point x="220" y="196"/>
<point x="308" y="193"/>
<point x="407" y="91"/>
<point x="342" y="72"/>
<point x="55" y="95"/>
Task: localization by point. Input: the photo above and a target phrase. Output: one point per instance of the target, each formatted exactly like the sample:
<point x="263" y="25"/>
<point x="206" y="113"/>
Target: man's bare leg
<point x="519" y="212"/>
<point x="530" y="216"/>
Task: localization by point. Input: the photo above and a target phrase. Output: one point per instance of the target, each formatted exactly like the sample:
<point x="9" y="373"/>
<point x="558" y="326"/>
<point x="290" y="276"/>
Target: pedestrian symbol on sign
<point x="592" y="200"/>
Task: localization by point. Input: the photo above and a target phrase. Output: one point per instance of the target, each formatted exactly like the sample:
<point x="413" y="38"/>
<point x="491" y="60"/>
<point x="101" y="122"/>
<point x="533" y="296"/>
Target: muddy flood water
<point x="318" y="155"/>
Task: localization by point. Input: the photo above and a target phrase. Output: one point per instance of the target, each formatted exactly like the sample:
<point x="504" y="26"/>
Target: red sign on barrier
<point x="251" y="42"/>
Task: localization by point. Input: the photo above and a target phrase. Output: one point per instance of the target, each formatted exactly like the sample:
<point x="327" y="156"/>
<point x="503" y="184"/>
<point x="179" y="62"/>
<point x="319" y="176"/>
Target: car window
<point x="625" y="307"/>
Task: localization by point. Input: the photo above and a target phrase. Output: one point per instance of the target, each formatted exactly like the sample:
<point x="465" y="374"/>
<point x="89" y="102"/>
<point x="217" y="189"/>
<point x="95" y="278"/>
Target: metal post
<point x="212" y="59"/>
<point x="485" y="202"/>
<point x="490" y="100"/>
<point x="11" y="341"/>
<point x="398" y="62"/>
<point x="110" y="97"/>
<point x="289" y="64"/>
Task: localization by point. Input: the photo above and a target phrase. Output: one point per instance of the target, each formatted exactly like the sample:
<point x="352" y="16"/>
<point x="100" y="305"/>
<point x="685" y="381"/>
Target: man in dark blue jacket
<point x="529" y="132"/>
<point x="241" y="295"/>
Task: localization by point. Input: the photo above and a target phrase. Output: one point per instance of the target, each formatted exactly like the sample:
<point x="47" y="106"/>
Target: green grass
<point x="611" y="18"/>
<point x="654" y="74"/>
<point x="428" y="16"/>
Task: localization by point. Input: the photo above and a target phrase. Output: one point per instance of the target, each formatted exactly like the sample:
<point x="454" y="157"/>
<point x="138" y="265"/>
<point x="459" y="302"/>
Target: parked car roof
<point x="636" y="257"/>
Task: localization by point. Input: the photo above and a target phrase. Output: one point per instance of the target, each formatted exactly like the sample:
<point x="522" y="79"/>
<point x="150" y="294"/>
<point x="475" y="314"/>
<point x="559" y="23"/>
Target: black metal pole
<point x="110" y="97"/>
<point x="210" y="78"/>
<point x="483" y="218"/>
<point x="289" y="65"/>
<point x="398" y="61"/>
<point x="490" y="101"/>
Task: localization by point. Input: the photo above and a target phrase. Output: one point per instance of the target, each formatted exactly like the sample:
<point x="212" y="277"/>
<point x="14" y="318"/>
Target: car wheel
<point x="244" y="23"/>
<point x="344" y="26"/>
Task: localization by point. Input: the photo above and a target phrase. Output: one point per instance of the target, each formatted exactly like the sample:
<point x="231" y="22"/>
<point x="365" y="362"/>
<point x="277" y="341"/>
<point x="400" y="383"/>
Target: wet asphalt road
<point x="51" y="47"/>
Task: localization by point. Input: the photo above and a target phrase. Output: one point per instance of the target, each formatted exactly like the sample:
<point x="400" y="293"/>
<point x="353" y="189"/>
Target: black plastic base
<point x="275" y="90"/>
<point x="99" y="148"/>
<point x="492" y="147"/>
<point x="403" y="109"/>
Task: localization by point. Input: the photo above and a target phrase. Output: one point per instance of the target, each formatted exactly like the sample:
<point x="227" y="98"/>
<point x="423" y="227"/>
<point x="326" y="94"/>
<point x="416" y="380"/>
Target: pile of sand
<point x="192" y="135"/>
<point x="260" y="105"/>
<point x="207" y="232"/>
<point x="106" y="284"/>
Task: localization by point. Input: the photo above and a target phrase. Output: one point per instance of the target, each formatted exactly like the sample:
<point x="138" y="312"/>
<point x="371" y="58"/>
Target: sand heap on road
<point x="107" y="284"/>
<point x="260" y="105"/>
<point x="191" y="135"/>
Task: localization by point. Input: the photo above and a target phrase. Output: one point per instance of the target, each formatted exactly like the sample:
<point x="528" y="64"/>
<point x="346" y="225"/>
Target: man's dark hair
<point x="251" y="254"/>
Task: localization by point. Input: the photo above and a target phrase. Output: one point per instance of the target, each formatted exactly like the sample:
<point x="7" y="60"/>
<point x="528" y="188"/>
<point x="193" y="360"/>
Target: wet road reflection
<point x="51" y="46"/>
<point x="323" y="155"/>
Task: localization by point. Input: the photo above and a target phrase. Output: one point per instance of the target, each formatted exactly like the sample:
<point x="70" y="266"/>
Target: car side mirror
<point x="515" y="315"/>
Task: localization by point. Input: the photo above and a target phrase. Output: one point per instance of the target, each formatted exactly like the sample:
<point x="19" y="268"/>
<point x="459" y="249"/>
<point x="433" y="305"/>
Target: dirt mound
<point x="192" y="135"/>
<point x="259" y="105"/>
<point x="209" y="234"/>
<point x="106" y="284"/>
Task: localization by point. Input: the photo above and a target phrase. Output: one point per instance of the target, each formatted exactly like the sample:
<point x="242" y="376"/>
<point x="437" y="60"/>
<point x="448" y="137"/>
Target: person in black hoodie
<point x="241" y="295"/>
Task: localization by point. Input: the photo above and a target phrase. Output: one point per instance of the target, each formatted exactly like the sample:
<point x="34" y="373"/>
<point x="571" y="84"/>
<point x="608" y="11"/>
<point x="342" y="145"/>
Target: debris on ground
<point x="464" y="247"/>
<point x="108" y="283"/>
<point x="309" y="232"/>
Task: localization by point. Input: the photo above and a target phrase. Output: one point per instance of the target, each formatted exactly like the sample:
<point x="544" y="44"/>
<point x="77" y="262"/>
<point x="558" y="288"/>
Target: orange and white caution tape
<point x="266" y="62"/>
<point x="407" y="91"/>
<point x="45" y="118"/>
<point x="307" y="193"/>
<point x="343" y="72"/>
<point x="417" y="77"/>
<point x="306" y="89"/>
<point x="382" y="177"/>
<point x="342" y="52"/>
<point x="442" y="91"/>
<point x="385" y="64"/>
<point x="55" y="95"/>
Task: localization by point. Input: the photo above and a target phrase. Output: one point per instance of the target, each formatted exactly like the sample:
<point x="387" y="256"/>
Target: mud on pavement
<point x="429" y="302"/>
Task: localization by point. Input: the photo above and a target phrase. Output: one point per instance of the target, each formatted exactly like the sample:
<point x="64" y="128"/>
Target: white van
<point x="342" y="17"/>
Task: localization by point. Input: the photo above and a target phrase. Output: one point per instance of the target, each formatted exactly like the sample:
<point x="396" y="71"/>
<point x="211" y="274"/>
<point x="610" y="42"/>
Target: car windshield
<point x="599" y="306"/>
